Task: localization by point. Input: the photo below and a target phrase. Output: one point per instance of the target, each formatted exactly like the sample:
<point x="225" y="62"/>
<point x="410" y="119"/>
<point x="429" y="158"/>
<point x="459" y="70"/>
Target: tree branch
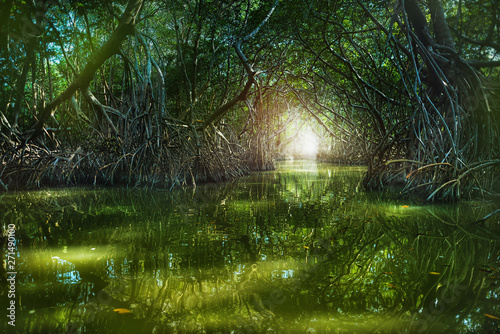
<point x="485" y="43"/>
<point x="111" y="47"/>
<point x="256" y="30"/>
<point x="486" y="63"/>
<point x="221" y="111"/>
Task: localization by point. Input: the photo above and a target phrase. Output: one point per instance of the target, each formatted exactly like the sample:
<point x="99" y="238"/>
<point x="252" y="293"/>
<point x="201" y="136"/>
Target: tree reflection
<point x="283" y="251"/>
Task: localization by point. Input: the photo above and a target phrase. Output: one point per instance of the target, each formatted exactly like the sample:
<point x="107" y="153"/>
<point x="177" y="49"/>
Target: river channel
<point x="302" y="249"/>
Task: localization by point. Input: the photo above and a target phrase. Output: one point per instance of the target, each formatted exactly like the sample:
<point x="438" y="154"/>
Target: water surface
<point x="303" y="249"/>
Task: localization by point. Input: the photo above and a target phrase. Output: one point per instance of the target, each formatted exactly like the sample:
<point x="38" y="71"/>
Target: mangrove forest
<point x="250" y="166"/>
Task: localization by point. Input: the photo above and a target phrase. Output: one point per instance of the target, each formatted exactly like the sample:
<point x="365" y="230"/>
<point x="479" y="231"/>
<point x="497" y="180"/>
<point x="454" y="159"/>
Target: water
<point x="303" y="249"/>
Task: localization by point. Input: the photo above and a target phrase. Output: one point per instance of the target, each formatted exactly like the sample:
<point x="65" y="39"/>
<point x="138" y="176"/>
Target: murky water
<point x="303" y="249"/>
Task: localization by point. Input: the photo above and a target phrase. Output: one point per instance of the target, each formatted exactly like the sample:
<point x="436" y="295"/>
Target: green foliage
<point x="354" y="68"/>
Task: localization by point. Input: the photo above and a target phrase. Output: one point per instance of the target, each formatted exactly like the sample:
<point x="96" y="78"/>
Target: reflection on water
<point x="300" y="249"/>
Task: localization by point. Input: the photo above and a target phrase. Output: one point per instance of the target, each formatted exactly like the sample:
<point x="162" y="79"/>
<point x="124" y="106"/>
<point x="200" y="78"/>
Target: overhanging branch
<point x="111" y="47"/>
<point x="222" y="110"/>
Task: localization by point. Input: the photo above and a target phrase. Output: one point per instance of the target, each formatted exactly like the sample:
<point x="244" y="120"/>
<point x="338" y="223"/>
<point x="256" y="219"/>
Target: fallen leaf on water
<point x="121" y="310"/>
<point x="434" y="273"/>
<point x="492" y="316"/>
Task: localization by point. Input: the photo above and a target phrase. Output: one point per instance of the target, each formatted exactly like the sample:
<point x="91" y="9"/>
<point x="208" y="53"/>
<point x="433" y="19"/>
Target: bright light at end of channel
<point x="308" y="143"/>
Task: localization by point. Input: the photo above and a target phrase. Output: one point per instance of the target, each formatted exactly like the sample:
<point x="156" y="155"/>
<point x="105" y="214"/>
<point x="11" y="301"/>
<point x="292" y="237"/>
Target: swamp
<point x="250" y="166"/>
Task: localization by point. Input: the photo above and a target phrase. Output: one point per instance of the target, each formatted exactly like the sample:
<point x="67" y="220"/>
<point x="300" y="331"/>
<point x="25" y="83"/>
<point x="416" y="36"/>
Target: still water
<point x="303" y="249"/>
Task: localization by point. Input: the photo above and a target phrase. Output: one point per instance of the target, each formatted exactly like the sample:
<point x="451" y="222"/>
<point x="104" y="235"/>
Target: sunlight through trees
<point x="168" y="93"/>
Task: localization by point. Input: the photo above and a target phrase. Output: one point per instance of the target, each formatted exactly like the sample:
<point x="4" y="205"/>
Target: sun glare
<point x="306" y="144"/>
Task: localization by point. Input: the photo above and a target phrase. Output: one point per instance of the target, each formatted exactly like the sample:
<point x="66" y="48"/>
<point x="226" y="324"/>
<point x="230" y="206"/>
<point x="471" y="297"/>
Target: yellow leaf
<point x="122" y="310"/>
<point x="305" y="247"/>
<point x="492" y="316"/>
<point x="406" y="206"/>
<point x="434" y="273"/>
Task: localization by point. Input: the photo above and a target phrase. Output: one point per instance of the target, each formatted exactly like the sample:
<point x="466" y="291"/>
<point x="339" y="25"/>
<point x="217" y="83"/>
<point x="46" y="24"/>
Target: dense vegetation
<point x="165" y="93"/>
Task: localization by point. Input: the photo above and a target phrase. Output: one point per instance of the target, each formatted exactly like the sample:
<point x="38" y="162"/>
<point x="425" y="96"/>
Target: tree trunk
<point x="5" y="7"/>
<point x="441" y="28"/>
<point x="21" y="83"/>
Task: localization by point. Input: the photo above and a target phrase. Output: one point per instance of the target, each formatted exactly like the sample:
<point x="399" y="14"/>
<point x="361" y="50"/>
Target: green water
<point x="303" y="249"/>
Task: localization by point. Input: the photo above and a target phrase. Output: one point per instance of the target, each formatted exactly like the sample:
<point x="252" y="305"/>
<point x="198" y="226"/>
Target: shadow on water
<point x="300" y="249"/>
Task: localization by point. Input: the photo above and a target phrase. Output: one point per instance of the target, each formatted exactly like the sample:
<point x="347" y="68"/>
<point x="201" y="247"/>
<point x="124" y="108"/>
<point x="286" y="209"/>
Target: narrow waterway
<point x="302" y="249"/>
